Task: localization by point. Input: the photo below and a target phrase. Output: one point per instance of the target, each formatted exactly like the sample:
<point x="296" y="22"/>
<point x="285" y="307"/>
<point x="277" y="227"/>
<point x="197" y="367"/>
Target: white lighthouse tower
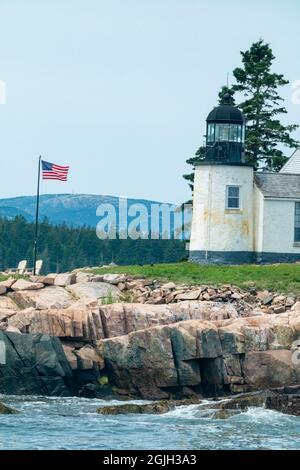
<point x="223" y="214"/>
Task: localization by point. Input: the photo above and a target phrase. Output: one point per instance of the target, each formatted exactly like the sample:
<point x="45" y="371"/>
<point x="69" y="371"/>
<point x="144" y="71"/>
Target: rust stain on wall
<point x="245" y="228"/>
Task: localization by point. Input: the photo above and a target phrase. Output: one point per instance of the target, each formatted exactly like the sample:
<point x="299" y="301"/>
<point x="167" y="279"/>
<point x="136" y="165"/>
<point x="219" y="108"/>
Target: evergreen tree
<point x="199" y="156"/>
<point x="266" y="135"/>
<point x="225" y="90"/>
<point x="63" y="248"/>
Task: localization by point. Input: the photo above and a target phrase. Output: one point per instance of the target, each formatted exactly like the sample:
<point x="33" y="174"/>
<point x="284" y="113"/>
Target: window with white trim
<point x="232" y="197"/>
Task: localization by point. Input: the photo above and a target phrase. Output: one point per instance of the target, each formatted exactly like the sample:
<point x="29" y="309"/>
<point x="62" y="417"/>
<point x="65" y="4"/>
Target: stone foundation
<point x="241" y="257"/>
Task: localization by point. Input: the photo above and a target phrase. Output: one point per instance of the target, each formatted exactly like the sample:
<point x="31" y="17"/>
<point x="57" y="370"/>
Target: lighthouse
<point x="222" y="229"/>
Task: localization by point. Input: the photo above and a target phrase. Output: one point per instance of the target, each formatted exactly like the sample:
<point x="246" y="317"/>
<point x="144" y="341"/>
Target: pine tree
<point x="199" y="156"/>
<point x="63" y="248"/>
<point x="225" y="90"/>
<point x="266" y="135"/>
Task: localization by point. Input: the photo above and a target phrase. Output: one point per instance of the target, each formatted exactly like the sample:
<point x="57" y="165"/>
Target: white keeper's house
<point x="239" y="215"/>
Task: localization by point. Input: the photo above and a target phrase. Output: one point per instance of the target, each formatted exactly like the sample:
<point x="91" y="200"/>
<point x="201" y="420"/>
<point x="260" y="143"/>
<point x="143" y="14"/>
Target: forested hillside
<point x="75" y="210"/>
<point x="63" y="248"/>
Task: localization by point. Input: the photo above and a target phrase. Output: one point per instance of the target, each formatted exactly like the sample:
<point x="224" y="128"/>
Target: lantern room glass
<point x="211" y="133"/>
<point x="225" y="132"/>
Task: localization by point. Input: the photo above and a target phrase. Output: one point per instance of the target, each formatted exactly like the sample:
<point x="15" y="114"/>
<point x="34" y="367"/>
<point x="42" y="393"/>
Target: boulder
<point x="23" y="284"/>
<point x="279" y="299"/>
<point x="265" y="297"/>
<point x="34" y="364"/>
<point x="83" y="357"/>
<point x="79" y="321"/>
<point x="49" y="297"/>
<point x="296" y="306"/>
<point x="239" y="355"/>
<point x="13" y="329"/>
<point x="47" y="280"/>
<point x="6" y="410"/>
<point x="279" y="309"/>
<point x="5" y="313"/>
<point x="83" y="277"/>
<point x="156" y="407"/>
<point x="94" y="290"/>
<point x="159" y="407"/>
<point x="7" y="304"/>
<point x="69" y="350"/>
<point x="3" y="289"/>
<point x="289" y="302"/>
<point x="190" y="295"/>
<point x="123" y="318"/>
<point x="89" y="358"/>
<point x="168" y="286"/>
<point x="8" y="282"/>
<point x="64" y="279"/>
<point x="267" y="369"/>
<point x="97" y="278"/>
<point x="243" y="402"/>
<point x="114" y="278"/>
<point x="286" y="400"/>
<point x="142" y="362"/>
<point x="153" y="360"/>
<point x="235" y="296"/>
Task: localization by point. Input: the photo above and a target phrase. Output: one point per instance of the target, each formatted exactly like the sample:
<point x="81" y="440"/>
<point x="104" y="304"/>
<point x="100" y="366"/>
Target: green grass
<point x="109" y="299"/>
<point x="3" y="277"/>
<point x="280" y="277"/>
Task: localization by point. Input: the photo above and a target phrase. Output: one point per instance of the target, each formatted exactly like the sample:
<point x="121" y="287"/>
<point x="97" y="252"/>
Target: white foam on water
<point x="73" y="423"/>
<point x="183" y="412"/>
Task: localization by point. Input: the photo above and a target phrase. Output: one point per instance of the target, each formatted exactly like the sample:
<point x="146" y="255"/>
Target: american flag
<point x="51" y="171"/>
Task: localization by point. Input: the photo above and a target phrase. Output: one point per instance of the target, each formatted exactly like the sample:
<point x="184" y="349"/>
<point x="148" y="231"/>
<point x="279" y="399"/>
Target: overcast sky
<point x="120" y="89"/>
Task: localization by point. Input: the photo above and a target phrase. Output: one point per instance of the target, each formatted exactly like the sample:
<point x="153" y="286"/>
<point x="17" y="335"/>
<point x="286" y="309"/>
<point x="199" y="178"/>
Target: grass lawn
<point x="280" y="277"/>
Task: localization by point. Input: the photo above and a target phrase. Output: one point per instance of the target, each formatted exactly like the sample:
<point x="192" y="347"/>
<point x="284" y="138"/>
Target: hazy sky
<point x="120" y="89"/>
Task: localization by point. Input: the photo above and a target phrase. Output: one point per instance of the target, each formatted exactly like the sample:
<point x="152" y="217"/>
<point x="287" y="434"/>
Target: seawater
<point x="73" y="423"/>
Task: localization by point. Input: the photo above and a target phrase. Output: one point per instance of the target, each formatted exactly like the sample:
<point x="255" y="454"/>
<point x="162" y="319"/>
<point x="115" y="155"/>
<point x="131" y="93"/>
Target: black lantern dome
<point x="226" y="112"/>
<point x="225" y="136"/>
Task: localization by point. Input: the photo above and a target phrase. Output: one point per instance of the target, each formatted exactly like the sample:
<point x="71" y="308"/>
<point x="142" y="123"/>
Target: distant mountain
<point x="72" y="209"/>
<point x="10" y="212"/>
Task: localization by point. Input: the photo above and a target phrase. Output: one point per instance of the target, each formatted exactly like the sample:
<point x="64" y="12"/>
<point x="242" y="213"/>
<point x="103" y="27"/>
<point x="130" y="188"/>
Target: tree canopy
<point x="257" y="88"/>
<point x="63" y="248"/>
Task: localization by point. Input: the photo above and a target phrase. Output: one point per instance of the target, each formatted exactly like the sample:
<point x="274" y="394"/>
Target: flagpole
<point x="37" y="216"/>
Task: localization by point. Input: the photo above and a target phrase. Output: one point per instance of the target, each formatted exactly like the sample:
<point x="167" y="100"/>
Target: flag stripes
<point x="52" y="171"/>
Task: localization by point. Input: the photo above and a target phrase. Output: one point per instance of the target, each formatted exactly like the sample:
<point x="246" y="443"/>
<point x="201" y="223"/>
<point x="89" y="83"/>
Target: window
<point x="222" y="132"/>
<point x="226" y="133"/>
<point x="235" y="133"/>
<point x="233" y="197"/>
<point x="210" y="133"/>
<point x="297" y="222"/>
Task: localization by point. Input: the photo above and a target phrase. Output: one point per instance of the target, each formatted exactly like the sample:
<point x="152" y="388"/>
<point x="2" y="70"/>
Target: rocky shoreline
<point x="115" y="335"/>
<point x="286" y="400"/>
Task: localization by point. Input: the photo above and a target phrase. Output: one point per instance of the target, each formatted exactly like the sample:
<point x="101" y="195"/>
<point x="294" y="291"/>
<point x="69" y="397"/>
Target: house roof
<point x="278" y="185"/>
<point x="293" y="163"/>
